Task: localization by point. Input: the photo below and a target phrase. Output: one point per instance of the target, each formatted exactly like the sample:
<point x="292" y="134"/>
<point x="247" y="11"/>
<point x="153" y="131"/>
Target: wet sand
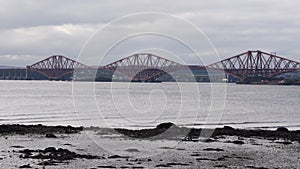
<point x="166" y="146"/>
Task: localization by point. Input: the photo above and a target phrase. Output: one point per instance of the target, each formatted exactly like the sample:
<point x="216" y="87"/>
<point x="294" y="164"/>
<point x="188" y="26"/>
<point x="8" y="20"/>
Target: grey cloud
<point x="32" y="30"/>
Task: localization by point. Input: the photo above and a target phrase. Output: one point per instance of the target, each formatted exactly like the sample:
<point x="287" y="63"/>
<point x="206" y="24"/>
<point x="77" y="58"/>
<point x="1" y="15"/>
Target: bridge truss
<point x="144" y="66"/>
<point x="56" y="66"/>
<point x="255" y="63"/>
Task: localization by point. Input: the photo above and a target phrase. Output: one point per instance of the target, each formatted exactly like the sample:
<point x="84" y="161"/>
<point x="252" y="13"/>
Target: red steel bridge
<point x="255" y="63"/>
<point x="145" y="66"/>
<point x="57" y="67"/>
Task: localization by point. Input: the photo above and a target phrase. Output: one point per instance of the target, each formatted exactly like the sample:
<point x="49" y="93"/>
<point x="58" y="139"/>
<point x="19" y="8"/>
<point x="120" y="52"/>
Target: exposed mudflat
<point x="166" y="146"/>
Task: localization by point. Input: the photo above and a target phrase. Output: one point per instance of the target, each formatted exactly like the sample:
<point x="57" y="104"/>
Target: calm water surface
<point x="140" y="105"/>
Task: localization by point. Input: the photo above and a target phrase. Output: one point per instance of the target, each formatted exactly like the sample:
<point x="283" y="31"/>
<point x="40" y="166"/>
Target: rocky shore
<point x="171" y="131"/>
<point x="165" y="146"/>
<point x="37" y="129"/>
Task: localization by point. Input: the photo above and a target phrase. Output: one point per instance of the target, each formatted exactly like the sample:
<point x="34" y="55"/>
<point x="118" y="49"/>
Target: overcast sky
<point x="32" y="30"/>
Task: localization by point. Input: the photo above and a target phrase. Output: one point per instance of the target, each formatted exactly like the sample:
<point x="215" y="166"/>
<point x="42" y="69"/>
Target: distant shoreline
<point x="279" y="84"/>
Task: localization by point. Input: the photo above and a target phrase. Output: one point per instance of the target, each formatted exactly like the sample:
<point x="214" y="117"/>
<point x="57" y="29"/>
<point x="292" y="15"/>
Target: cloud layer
<point x="32" y="30"/>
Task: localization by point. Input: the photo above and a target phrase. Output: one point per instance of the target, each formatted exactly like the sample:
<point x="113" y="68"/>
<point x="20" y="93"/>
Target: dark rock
<point x="16" y="146"/>
<point x="163" y="165"/>
<point x="52" y="153"/>
<point x="49" y="149"/>
<point x="220" y="159"/>
<point x="165" y="125"/>
<point x="243" y="157"/>
<point x="228" y="128"/>
<point x="25" y="166"/>
<point x="178" y="164"/>
<point x="282" y="129"/>
<point x="209" y="159"/>
<point x="132" y="150"/>
<point x="106" y="166"/>
<point x="195" y="155"/>
<point x="180" y="149"/>
<point x="115" y="156"/>
<point x="50" y="136"/>
<point x="88" y="156"/>
<point x="167" y="148"/>
<point x="213" y="149"/>
<point x="238" y="142"/>
<point x="284" y="142"/>
<point x="37" y="129"/>
<point x="162" y="131"/>
<point x="26" y="151"/>
<point x="68" y="144"/>
<point x="192" y="135"/>
<point x="172" y="164"/>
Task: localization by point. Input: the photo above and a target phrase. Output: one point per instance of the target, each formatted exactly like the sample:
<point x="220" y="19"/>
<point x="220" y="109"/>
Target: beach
<point x="166" y="146"/>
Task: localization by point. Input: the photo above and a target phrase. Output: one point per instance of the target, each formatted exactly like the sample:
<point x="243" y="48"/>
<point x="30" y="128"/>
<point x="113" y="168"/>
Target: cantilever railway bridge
<point x="146" y="66"/>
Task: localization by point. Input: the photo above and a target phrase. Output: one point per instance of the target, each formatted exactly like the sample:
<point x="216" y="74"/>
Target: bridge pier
<point x="13" y="74"/>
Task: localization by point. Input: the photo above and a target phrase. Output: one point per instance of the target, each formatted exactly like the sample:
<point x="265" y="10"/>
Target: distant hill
<point x="9" y="67"/>
<point x="291" y="75"/>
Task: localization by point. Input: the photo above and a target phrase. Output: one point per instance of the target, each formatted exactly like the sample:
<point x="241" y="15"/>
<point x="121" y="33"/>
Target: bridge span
<point x="148" y="67"/>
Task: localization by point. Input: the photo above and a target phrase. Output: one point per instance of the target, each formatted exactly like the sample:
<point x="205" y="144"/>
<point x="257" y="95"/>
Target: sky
<point x="32" y="30"/>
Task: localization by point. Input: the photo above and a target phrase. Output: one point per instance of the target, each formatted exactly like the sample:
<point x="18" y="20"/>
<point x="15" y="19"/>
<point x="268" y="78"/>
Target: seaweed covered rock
<point x="162" y="131"/>
<point x="165" y="125"/>
<point x="37" y="129"/>
<point x="282" y="129"/>
<point x="52" y="153"/>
